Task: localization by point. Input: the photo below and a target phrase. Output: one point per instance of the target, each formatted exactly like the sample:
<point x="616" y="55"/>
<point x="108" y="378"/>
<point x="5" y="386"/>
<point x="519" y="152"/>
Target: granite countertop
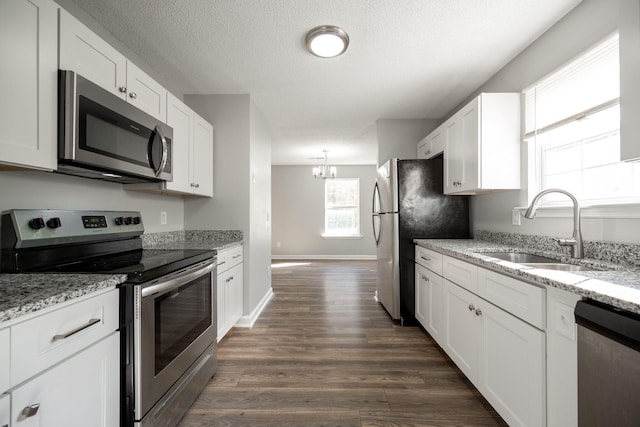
<point x="25" y="293"/>
<point x="617" y="284"/>
<point x="193" y="239"/>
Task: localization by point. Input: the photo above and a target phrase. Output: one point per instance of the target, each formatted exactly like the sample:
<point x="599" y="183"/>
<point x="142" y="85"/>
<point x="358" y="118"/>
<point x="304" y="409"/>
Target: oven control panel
<point x="25" y="228"/>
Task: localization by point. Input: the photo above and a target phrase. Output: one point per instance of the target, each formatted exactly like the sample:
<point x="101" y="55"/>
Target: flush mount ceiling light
<point x="325" y="171"/>
<point x="327" y="41"/>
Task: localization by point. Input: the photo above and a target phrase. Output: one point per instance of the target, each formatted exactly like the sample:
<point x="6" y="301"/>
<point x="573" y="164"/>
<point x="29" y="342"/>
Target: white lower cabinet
<point x="461" y="329"/>
<point x="5" y="410"/>
<point x="230" y="289"/>
<point x="503" y="356"/>
<point x="81" y="391"/>
<point x="512" y="367"/>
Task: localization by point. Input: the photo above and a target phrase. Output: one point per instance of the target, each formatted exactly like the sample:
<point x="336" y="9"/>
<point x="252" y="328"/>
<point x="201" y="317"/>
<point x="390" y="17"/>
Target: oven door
<point x="174" y="325"/>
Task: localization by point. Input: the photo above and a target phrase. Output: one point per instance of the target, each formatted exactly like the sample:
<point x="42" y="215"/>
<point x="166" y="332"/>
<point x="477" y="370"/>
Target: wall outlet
<point x="515" y="216"/>
<point x="163" y="218"/>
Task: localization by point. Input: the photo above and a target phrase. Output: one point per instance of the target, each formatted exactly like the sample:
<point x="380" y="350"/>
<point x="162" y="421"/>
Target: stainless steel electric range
<point x="167" y="305"/>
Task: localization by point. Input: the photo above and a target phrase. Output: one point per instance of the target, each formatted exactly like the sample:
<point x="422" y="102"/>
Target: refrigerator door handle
<point x="375" y="205"/>
<point x="376" y="236"/>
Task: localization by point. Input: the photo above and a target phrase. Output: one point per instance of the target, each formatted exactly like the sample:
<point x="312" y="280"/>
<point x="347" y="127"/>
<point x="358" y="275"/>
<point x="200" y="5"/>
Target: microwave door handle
<point x="163" y="161"/>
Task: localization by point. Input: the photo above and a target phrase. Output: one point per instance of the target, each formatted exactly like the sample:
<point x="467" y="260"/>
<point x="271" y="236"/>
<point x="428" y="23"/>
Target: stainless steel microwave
<point x="102" y="136"/>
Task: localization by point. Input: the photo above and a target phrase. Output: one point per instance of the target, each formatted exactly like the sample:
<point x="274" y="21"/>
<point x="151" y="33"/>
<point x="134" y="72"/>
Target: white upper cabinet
<point x="202" y="157"/>
<point x="432" y="144"/>
<point x="482" y="145"/>
<point x="28" y="77"/>
<point x="192" y="144"/>
<point x="84" y="52"/>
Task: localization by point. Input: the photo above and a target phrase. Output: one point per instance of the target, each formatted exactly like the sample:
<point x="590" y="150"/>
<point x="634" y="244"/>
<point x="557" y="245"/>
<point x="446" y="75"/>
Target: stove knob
<point x="54" y="223"/>
<point x="118" y="220"/>
<point x="127" y="220"/>
<point x="136" y="220"/>
<point x="36" y="223"/>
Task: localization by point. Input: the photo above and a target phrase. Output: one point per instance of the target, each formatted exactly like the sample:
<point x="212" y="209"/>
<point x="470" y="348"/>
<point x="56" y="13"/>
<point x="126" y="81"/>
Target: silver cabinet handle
<point x="122" y="89"/>
<point x="90" y="323"/>
<point x="471" y="307"/>
<point x="31" y="410"/>
<point x="236" y="256"/>
<point x="222" y="262"/>
<point x="133" y="95"/>
<point x="478" y="312"/>
<point x="425" y="278"/>
<point x="425" y="258"/>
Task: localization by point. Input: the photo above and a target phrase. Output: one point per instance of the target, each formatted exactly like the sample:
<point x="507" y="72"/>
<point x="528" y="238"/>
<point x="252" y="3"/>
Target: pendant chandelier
<point x="325" y="171"/>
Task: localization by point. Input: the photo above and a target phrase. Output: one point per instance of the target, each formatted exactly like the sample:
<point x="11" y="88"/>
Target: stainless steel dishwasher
<point x="608" y="365"/>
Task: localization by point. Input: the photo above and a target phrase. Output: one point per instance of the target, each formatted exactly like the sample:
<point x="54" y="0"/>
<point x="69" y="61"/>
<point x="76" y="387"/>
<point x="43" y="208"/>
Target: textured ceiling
<point x="407" y="59"/>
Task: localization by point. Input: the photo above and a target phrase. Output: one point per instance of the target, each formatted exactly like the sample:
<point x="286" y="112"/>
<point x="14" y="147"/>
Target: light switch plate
<point x="515" y="216"/>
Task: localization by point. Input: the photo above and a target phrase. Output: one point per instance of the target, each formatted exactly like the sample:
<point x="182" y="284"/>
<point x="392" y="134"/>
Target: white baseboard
<point x="336" y="257"/>
<point x="247" y="321"/>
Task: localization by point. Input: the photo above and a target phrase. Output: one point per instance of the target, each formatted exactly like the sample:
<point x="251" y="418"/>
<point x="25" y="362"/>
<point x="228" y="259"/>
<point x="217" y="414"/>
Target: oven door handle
<point x="176" y="282"/>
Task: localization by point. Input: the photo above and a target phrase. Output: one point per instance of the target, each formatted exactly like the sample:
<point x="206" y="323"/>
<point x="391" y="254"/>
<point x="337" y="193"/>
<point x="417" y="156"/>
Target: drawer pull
<point x="236" y="256"/>
<point x="478" y="312"/>
<point x="425" y="258"/>
<point x="471" y="307"/>
<point x="76" y="330"/>
<point x="30" y="410"/>
<point x="222" y="262"/>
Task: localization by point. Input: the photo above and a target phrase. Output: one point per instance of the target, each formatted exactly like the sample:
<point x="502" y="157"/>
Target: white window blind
<point x="590" y="82"/>
<point x="572" y="118"/>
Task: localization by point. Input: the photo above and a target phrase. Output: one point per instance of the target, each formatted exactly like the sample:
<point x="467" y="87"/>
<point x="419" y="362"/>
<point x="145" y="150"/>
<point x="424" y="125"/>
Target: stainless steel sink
<point x="560" y="266"/>
<point x="520" y="258"/>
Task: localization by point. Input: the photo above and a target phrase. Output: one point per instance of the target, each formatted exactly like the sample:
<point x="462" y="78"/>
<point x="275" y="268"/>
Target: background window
<point x="572" y="118"/>
<point x="342" y="207"/>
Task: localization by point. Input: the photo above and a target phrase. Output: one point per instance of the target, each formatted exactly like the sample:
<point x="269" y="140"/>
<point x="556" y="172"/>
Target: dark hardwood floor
<point x="324" y="353"/>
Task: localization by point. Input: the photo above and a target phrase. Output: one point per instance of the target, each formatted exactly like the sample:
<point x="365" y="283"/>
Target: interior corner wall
<point x="589" y="22"/>
<point x="398" y="138"/>
<point x="298" y="214"/>
<point x="259" y="211"/>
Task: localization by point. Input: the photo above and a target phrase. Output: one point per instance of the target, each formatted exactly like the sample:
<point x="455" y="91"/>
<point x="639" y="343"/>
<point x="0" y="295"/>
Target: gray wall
<point x="398" y="138"/>
<point x="589" y="22"/>
<point x="298" y="214"/>
<point x="46" y="190"/>
<point x="242" y="185"/>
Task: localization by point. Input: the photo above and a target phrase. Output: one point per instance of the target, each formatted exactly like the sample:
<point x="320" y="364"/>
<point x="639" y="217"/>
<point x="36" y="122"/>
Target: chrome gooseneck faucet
<point x="577" y="250"/>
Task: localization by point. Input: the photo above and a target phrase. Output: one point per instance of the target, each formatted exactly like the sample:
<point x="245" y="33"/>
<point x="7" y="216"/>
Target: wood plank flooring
<point x="324" y="353"/>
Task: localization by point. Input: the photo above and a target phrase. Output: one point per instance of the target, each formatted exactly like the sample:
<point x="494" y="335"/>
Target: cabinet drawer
<point x="429" y="259"/>
<point x="521" y="299"/>
<point x="4" y="361"/>
<point x="45" y="340"/>
<point x="461" y="273"/>
<point x="227" y="258"/>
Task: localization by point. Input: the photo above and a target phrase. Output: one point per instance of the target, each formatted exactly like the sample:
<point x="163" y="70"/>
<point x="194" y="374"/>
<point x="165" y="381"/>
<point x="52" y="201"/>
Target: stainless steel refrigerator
<point x="408" y="203"/>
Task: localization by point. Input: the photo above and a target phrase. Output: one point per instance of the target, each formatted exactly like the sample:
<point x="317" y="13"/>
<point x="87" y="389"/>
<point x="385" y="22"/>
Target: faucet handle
<point x="565" y="242"/>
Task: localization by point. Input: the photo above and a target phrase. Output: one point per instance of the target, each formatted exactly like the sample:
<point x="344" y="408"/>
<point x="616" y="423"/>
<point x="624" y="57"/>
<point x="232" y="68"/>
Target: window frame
<point x="327" y="234"/>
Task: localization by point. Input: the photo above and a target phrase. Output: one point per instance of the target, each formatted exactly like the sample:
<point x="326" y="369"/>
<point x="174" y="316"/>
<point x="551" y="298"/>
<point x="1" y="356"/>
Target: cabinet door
<point x="5" y="410"/>
<point x="452" y="155"/>
<point x="512" y="367"/>
<point x="81" y="391"/>
<point x="145" y="93"/>
<point x="234" y="296"/>
<point x="462" y="329"/>
<point x="84" y="52"/>
<point x="436" y="142"/>
<point x="221" y="304"/>
<point x="5" y="360"/>
<point x="468" y="162"/>
<point x="423" y="147"/>
<point x="202" y="157"/>
<point x="421" y="295"/>
<point x="28" y="78"/>
<point x="435" y="307"/>
<point x="180" y="118"/>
